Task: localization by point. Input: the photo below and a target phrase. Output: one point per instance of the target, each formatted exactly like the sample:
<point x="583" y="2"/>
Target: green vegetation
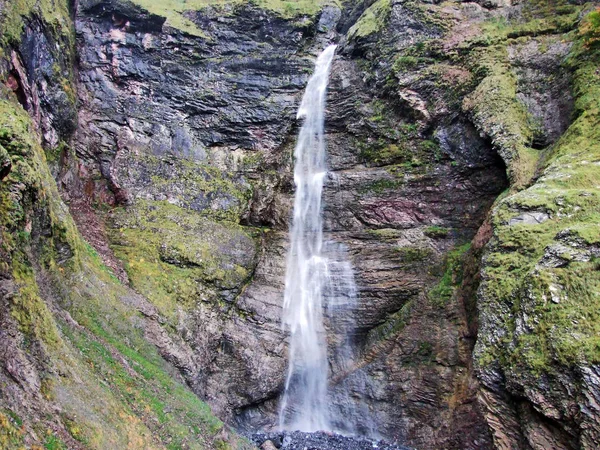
<point x="53" y="442"/>
<point x="11" y="434"/>
<point x="28" y="176"/>
<point x="562" y="303"/>
<point x="54" y="12"/>
<point x="590" y="29"/>
<point x="114" y="389"/>
<point x="176" y="257"/>
<point x="414" y="254"/>
<point x="189" y="182"/>
<point x="380" y="186"/>
<point x="393" y="324"/>
<point x="386" y="233"/>
<point x="436" y="232"/>
<point x="441" y="294"/>
<point x="494" y="105"/>
<point x="381" y="152"/>
<point x="372" y="20"/>
<point x="172" y="412"/>
<point x="401" y="146"/>
<point x="496" y="110"/>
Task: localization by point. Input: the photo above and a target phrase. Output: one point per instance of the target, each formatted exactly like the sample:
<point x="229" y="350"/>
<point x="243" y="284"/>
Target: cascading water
<point x="316" y="278"/>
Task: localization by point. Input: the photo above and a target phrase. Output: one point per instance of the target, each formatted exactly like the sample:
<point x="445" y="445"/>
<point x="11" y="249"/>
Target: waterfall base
<point x="319" y="440"/>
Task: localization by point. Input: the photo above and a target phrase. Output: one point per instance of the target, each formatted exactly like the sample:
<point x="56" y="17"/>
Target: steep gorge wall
<point x="179" y="175"/>
<point x="78" y="363"/>
<point x="195" y="135"/>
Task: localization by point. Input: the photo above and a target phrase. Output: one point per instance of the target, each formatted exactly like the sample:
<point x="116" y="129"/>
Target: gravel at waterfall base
<point x="320" y="440"/>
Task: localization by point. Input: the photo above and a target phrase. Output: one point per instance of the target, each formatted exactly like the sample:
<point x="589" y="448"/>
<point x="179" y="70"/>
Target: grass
<point x="114" y="389"/>
<point x="414" y="254"/>
<point x="11" y="434"/>
<point x="436" y="232"/>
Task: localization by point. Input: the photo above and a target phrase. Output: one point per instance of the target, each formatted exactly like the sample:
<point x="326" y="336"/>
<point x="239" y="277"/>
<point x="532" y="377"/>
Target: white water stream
<point x="315" y="277"/>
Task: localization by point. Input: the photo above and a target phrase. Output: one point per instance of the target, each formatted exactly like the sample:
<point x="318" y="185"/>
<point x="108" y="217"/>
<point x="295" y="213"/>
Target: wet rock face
<point x="204" y="126"/>
<point x="39" y="73"/>
<point x="216" y="100"/>
<point x="178" y="125"/>
<point x="192" y="134"/>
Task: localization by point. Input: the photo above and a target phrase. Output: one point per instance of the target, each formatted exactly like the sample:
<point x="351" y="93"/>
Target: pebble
<point x="320" y="440"/>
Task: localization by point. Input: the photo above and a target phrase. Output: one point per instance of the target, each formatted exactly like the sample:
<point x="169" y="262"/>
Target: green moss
<point x="221" y="197"/>
<point x="372" y="20"/>
<point x="11" y="435"/>
<point x="386" y="233"/>
<point x="590" y="29"/>
<point x="171" y="411"/>
<point x="441" y="294"/>
<point x="380" y="186"/>
<point x="404" y="63"/>
<point x="29" y="310"/>
<point x="497" y="111"/>
<point x="383" y="153"/>
<point x="54" y="12"/>
<point x="414" y="254"/>
<point x="53" y="442"/>
<point x="114" y="389"/>
<point x="393" y="325"/>
<point x="178" y="258"/>
<point x="562" y="303"/>
<point x="494" y="105"/>
<point x="436" y="232"/>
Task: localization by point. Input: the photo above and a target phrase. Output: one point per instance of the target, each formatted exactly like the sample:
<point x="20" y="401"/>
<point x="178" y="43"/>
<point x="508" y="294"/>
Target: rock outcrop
<point x="463" y="146"/>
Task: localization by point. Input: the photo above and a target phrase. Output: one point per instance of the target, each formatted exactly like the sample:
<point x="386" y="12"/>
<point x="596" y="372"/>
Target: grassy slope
<point x="102" y="385"/>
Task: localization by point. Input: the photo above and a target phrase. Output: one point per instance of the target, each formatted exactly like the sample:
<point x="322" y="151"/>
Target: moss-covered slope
<point x="76" y="367"/>
<point x="539" y="300"/>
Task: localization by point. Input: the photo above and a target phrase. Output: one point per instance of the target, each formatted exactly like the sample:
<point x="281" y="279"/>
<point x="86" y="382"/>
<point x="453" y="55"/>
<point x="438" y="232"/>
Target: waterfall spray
<point x="303" y="406"/>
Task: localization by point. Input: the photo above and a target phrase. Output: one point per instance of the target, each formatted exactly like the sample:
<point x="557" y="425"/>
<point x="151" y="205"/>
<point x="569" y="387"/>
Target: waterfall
<point x="309" y="273"/>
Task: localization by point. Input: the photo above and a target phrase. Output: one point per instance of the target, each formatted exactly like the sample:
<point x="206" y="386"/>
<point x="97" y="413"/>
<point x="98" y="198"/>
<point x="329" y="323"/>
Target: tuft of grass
<point x="53" y="442"/>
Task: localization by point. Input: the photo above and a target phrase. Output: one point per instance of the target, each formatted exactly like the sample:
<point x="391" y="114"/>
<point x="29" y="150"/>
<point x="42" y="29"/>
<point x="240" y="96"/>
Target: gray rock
<point x="529" y="218"/>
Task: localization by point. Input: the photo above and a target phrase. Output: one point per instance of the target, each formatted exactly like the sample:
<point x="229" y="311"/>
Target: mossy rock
<point x="114" y="389"/>
<point x="177" y="257"/>
<point x="544" y="274"/>
<point x="174" y="10"/>
<point x="373" y="20"/>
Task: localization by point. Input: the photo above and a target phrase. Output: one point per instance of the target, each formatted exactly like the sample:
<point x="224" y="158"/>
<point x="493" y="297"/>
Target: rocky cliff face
<point x="462" y="188"/>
